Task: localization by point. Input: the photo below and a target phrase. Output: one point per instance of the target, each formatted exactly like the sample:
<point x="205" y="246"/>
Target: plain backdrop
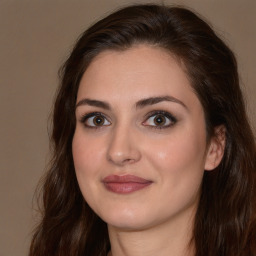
<point x="35" y="38"/>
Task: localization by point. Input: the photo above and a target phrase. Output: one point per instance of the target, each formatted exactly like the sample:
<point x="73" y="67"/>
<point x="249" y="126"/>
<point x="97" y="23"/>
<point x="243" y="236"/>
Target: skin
<point x="158" y="219"/>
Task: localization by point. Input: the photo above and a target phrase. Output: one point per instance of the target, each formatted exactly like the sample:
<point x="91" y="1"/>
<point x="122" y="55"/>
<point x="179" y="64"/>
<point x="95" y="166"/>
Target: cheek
<point x="180" y="159"/>
<point x="87" y="155"/>
<point x="86" y="151"/>
<point x="179" y="151"/>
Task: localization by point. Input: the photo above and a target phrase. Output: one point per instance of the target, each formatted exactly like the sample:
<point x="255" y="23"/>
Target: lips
<point x="125" y="184"/>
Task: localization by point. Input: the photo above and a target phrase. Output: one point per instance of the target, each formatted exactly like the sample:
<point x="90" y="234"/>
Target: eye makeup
<point x="157" y="119"/>
<point x="94" y="120"/>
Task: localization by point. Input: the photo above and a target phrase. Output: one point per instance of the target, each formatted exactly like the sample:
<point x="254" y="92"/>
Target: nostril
<point x="123" y="159"/>
<point x="122" y="149"/>
<point x="129" y="160"/>
<point x="120" y="159"/>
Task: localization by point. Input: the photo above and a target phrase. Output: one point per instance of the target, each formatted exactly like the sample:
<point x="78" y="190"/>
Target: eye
<point x="95" y="120"/>
<point x="160" y="119"/>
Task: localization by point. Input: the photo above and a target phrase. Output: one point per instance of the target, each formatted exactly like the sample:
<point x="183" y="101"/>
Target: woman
<point x="152" y="150"/>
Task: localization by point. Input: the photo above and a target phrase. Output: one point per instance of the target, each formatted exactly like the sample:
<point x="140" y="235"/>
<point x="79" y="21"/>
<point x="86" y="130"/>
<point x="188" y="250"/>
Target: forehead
<point x="141" y="71"/>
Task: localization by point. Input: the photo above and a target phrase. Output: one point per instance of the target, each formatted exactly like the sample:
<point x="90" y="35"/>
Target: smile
<point x="125" y="184"/>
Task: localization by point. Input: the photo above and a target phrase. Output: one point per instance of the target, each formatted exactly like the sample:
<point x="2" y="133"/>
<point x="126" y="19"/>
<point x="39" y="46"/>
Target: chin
<point x="125" y="219"/>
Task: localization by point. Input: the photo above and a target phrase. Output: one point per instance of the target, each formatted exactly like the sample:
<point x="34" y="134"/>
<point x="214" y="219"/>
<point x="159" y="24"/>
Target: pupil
<point x="98" y="120"/>
<point x="159" y="120"/>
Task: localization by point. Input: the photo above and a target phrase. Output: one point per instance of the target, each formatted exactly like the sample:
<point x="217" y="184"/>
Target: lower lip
<point x="125" y="187"/>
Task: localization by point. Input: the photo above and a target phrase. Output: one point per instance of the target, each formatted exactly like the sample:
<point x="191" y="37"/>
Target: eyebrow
<point x="140" y="104"/>
<point x="94" y="103"/>
<point x="154" y="100"/>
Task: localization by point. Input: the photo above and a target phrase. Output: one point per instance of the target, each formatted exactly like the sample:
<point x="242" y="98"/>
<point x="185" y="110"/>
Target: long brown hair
<point x="225" y="222"/>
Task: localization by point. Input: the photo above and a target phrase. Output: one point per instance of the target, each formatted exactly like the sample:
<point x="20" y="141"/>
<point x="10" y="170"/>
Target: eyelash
<point x="86" y="117"/>
<point x="164" y="114"/>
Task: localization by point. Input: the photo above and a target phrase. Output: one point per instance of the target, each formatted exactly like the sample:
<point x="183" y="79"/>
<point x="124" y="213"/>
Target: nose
<point x="123" y="147"/>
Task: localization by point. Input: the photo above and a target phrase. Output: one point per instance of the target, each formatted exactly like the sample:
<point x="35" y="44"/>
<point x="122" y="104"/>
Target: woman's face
<point x="139" y="146"/>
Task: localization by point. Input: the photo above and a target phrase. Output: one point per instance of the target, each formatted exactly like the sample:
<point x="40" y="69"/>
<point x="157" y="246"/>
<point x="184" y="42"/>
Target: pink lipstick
<point x="125" y="184"/>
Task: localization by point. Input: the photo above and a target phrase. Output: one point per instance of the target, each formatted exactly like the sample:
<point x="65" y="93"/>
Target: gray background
<point x="35" y="38"/>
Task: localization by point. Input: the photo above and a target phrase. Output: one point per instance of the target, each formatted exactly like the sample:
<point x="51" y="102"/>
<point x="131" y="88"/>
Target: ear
<point x="216" y="148"/>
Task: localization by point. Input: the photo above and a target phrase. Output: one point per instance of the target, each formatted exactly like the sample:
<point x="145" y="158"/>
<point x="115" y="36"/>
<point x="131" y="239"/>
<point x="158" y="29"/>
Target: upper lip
<point x="125" y="179"/>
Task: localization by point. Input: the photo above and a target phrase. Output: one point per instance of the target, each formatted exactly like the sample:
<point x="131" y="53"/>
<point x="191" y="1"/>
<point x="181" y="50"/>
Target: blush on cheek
<point x="82" y="154"/>
<point x="162" y="155"/>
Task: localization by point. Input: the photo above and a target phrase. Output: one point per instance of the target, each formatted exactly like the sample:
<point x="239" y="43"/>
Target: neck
<point x="170" y="238"/>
